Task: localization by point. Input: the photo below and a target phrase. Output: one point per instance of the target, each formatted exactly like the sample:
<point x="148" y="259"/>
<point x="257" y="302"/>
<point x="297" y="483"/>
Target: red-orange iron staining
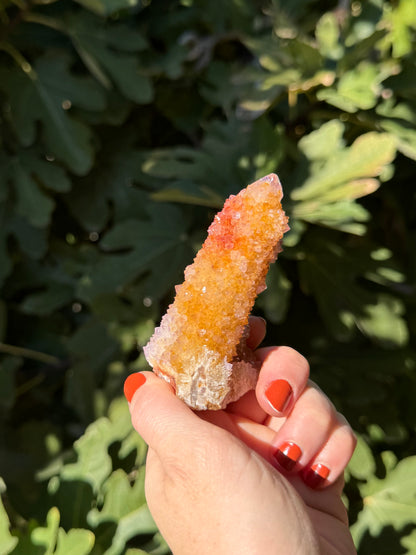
<point x="200" y="344"/>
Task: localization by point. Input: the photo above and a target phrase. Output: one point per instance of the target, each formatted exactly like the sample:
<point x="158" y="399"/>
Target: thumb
<point x="162" y="419"/>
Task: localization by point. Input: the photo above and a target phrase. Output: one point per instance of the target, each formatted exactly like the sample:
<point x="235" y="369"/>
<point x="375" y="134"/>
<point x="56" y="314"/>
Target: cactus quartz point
<point x="200" y="345"/>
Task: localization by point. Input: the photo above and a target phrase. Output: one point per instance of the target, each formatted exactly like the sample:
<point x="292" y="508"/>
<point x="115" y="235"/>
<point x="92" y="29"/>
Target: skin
<point x="212" y="482"/>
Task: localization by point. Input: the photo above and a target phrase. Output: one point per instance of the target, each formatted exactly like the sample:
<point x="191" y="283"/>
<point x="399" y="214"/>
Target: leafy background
<point x="124" y="124"/>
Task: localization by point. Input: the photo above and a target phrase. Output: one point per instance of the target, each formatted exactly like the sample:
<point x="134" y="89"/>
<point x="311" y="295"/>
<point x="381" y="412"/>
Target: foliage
<point x="123" y="126"/>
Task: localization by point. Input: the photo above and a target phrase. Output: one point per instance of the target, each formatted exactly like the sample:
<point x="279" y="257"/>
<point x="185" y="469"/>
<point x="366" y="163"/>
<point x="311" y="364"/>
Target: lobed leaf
<point x="389" y="501"/>
<point x="366" y="157"/>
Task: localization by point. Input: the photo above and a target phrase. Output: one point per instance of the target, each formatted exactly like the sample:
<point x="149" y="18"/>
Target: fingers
<point x="256" y="331"/>
<point x="310" y="437"/>
<point x="283" y="377"/>
<point x="314" y="440"/>
<point x="161" y="418"/>
<point x="329" y="463"/>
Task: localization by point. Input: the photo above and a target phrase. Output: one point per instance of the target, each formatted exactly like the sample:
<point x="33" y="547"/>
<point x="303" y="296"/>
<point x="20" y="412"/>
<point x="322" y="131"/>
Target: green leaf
<point x="45" y="302"/>
<point x="332" y="274"/>
<point x="66" y="138"/>
<point x="30" y="174"/>
<point x="388" y="502"/>
<point x="109" y="54"/>
<point x="323" y="142"/>
<point x="108" y="7"/>
<point x="366" y="157"/>
<point x="110" y="183"/>
<point x="32" y="240"/>
<point x="404" y="135"/>
<point x="68" y="89"/>
<point x="94" y="464"/>
<point x="32" y="203"/>
<point x="327" y="33"/>
<point x="49" y="174"/>
<point x="358" y="89"/>
<point x="231" y="156"/>
<point x="362" y="464"/>
<point x="384" y="320"/>
<point x="7" y="541"/>
<point x="124" y="504"/>
<point x="217" y="86"/>
<point x="342" y="215"/>
<point x="26" y="544"/>
<point x="409" y="542"/>
<point x="400" y="20"/>
<point x="91" y="348"/>
<point x="47" y="536"/>
<point x="74" y="542"/>
<point x="276" y="298"/>
<point x="159" y="246"/>
<point x="55" y="541"/>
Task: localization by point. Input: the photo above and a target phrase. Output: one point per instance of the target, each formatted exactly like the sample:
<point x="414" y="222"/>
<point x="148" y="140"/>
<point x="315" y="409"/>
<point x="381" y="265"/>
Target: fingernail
<point x="288" y="455"/>
<point x="132" y="384"/>
<point x="279" y="393"/>
<point x="316" y="475"/>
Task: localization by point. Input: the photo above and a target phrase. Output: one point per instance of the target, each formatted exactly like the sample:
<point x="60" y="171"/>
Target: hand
<point x="264" y="476"/>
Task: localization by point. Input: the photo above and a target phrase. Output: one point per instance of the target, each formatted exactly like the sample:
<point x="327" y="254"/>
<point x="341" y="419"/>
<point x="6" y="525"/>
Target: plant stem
<point x="29" y="353"/>
<point x="44" y="20"/>
<point x="18" y="58"/>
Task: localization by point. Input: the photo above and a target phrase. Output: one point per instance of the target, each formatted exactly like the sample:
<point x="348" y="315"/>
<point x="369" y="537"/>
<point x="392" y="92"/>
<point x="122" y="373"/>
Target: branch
<point x="29" y="353"/>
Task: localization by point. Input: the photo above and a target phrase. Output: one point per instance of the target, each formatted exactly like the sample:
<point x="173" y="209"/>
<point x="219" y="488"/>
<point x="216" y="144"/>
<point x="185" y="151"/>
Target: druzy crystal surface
<point x="199" y="346"/>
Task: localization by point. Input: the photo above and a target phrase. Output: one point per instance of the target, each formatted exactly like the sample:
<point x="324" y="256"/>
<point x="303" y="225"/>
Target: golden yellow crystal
<point x="200" y="345"/>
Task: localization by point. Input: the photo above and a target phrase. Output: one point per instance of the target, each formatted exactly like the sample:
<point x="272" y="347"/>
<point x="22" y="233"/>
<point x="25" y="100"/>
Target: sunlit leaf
<point x="328" y="272"/>
<point x="47" y="536"/>
<point x="401" y="20"/>
<point x="362" y="465"/>
<point x="7" y="541"/>
<point x="328" y="34"/>
<point x="356" y="89"/>
<point x="389" y="501"/>
<point x="366" y="157"/>
<point x="74" y="542"/>
<point x="125" y="505"/>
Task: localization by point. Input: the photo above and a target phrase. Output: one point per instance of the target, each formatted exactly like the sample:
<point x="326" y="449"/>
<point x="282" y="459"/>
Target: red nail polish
<point x="288" y="455"/>
<point x="316" y="475"/>
<point x="279" y="393"/>
<point x="132" y="384"/>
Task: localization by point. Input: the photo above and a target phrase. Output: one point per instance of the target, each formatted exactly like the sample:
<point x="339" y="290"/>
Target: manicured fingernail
<point x="288" y="455"/>
<point x="132" y="384"/>
<point x="316" y="475"/>
<point x="279" y="393"/>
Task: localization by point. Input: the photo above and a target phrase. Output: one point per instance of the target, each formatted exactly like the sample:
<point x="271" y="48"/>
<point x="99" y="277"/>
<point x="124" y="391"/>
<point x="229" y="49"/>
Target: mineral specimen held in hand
<point x="200" y="345"/>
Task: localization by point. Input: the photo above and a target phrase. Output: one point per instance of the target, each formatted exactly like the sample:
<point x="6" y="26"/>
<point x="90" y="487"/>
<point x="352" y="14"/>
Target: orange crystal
<point x="200" y="345"/>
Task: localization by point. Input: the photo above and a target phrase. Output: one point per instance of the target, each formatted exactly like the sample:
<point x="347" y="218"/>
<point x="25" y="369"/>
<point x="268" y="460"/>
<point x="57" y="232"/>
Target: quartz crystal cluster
<point x="200" y="346"/>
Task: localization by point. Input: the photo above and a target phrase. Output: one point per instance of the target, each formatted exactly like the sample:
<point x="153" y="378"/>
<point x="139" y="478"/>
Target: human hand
<point x="242" y="481"/>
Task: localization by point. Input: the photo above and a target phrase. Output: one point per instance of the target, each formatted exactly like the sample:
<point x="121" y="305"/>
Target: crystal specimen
<point x="200" y="346"/>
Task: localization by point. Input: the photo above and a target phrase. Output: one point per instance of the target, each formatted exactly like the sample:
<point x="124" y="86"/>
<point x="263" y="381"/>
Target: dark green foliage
<point x="123" y="126"/>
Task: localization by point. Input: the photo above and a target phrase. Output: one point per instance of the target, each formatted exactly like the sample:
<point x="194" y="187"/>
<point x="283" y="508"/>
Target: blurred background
<point x="124" y="125"/>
